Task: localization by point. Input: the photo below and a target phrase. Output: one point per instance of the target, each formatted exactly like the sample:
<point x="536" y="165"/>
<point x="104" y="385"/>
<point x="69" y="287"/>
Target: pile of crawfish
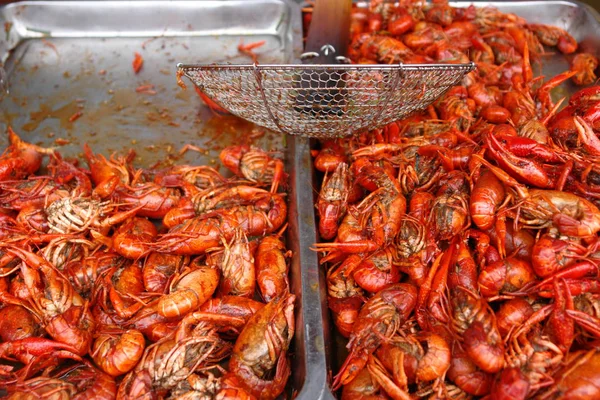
<point x="461" y="243"/>
<point x="99" y="301"/>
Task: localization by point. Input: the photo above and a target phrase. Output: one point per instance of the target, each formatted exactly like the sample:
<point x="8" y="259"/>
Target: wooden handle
<point x="330" y="24"/>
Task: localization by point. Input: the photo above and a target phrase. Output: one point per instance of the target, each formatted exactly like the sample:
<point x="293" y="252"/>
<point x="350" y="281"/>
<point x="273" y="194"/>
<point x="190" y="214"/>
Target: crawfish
<point x="262" y="346"/>
<point x="587" y="136"/>
<point x="80" y="214"/>
<point x="16" y="322"/>
<point x="225" y="197"/>
<point x="430" y="351"/>
<point x="518" y="242"/>
<point x="69" y="176"/>
<point x="385" y="49"/>
<point x="466" y="375"/>
<point x="42" y="388"/>
<point x="456" y="106"/>
<point x="512" y="314"/>
<point x="150" y="199"/>
<point x="391" y="387"/>
<point x="33" y="191"/>
<point x="333" y="201"/>
<point x="195" y="236"/>
<point x="158" y="268"/>
<point x="118" y="352"/>
<point x="231" y="311"/>
<point x="419" y="171"/>
<point x="85" y="274"/>
<point x="536" y="130"/>
<point x="88" y="381"/>
<point x="148" y="321"/>
<point x="550" y="254"/>
<point x="511" y="383"/>
<point x="490" y="18"/>
<point x="536" y="357"/>
<point x="196" y="386"/>
<point x="255" y="165"/>
<point x="528" y="171"/>
<point x="520" y="104"/>
<point x="488" y="194"/>
<point x="379" y="213"/>
<point x="543" y="93"/>
<point x="20" y="159"/>
<point x="331" y="154"/>
<point x="561" y="324"/>
<point x="420" y="205"/>
<point x="441" y="390"/>
<point x="171" y="360"/>
<point x="379" y="222"/>
<point x="62" y="250"/>
<point x="371" y="272"/>
<point x="400" y="357"/>
<point x="447" y="52"/>
<point x="495" y="114"/>
<point x="189" y="290"/>
<point x="505" y="276"/>
<point x="585" y="64"/>
<point x="420" y="128"/>
<point x="423" y="35"/>
<point x="531" y="144"/>
<point x="271" y="267"/>
<point x="212" y="199"/>
<point x="380" y="317"/>
<point x="578" y="378"/>
<point x="32" y="219"/>
<point x="440" y="13"/>
<point x="485" y="96"/>
<point x="237" y="268"/>
<point x="483" y="54"/>
<point x="107" y="174"/>
<point x="415" y="247"/>
<point x="200" y="176"/>
<point x="449" y="215"/>
<point x="475" y="322"/>
<point x="17" y="288"/>
<point x="364" y="386"/>
<point x="34" y="353"/>
<point x="124" y="287"/>
<point x="344" y="299"/>
<point x="400" y="22"/>
<point x="63" y="313"/>
<point x="554" y="36"/>
<point x="128" y="240"/>
<point x="569" y="213"/>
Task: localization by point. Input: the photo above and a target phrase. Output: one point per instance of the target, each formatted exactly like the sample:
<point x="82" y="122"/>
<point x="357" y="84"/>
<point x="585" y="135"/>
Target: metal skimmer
<point x="325" y="97"/>
<point x="324" y="101"/>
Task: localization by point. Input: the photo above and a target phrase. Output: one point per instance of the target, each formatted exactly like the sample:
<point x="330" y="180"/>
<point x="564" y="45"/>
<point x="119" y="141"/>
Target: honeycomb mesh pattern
<point x="324" y="101"/>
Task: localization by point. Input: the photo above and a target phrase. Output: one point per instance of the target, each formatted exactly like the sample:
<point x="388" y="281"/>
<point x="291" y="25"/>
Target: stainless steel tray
<point x="579" y="19"/>
<point x="68" y="57"/>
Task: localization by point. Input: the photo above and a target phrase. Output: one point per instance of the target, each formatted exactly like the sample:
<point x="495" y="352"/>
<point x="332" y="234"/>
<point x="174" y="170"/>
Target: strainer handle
<point x="330" y="25"/>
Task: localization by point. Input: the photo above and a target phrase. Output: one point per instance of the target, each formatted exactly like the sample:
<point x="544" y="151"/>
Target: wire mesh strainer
<point x="324" y="101"/>
<point x="325" y="97"/>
